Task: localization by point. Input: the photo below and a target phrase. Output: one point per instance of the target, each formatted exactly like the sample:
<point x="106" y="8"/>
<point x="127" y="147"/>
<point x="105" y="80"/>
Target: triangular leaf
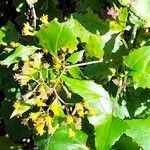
<point x="94" y="94"/>
<point x="139" y="63"/>
<point x="22" y="52"/>
<point x="94" y="46"/>
<point x="75" y="57"/>
<point x="24" y="108"/>
<point x="57" y="108"/>
<point x="86" y="89"/>
<point x="8" y="33"/>
<point x="109" y="132"/>
<point x="91" y="22"/>
<point x="75" y="72"/>
<point x="55" y="36"/>
<point x="140" y="132"/>
<point x="62" y="140"/>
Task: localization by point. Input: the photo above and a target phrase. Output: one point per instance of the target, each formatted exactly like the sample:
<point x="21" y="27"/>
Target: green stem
<point x="34" y="17"/>
<point x="83" y="64"/>
<point x="133" y="35"/>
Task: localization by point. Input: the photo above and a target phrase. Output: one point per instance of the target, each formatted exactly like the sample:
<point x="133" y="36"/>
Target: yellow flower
<point x="27" y="30"/>
<point x="80" y="113"/>
<point x="34" y="116"/>
<point x="24" y="80"/>
<point x="43" y="92"/>
<point x="86" y="105"/>
<point x="69" y="119"/>
<point x="40" y="128"/>
<point x="71" y="133"/>
<point x="51" y="130"/>
<point x="78" y="123"/>
<point x="44" y="19"/>
<point x="79" y="106"/>
<point x="36" y="64"/>
<point x="57" y="66"/>
<point x="17" y="105"/>
<point x="54" y="108"/>
<point x="48" y="120"/>
<point x="14" y="44"/>
<point x="45" y="50"/>
<point x="71" y="51"/>
<point x="54" y="80"/>
<point x="27" y="62"/>
<point x="39" y="103"/>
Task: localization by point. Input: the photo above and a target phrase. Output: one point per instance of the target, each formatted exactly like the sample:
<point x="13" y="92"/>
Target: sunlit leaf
<point x="62" y="139"/>
<point x="139" y="131"/>
<point x="109" y="132"/>
<point x="86" y="89"/>
<point x="94" y="94"/>
<point x="75" y="57"/>
<point x="21" y="53"/>
<point x="94" y="46"/>
<point x="139" y="63"/>
<point x="55" y="36"/>
<point x="76" y="72"/>
<point x="57" y="108"/>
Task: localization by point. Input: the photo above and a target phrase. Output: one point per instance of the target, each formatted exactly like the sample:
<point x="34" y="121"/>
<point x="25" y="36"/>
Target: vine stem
<point x="133" y="35"/>
<point x="34" y="17"/>
<point x="57" y="96"/>
<point x="82" y="64"/>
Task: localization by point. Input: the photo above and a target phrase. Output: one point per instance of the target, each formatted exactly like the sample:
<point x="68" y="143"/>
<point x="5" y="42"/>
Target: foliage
<point x="77" y="79"/>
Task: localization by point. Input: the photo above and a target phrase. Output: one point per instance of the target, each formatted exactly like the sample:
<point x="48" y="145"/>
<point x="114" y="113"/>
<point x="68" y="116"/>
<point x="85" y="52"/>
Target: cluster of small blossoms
<point x="36" y="75"/>
<point x="42" y="122"/>
<point x="44" y="20"/>
<point x="29" y="69"/>
<point x="83" y="108"/>
<point x="74" y="118"/>
<point x="27" y="29"/>
<point x="14" y="44"/>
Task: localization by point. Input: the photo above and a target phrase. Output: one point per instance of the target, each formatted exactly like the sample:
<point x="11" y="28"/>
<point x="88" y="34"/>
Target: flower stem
<point x="83" y="64"/>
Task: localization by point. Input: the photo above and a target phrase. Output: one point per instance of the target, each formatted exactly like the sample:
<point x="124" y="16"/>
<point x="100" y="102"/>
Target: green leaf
<point x="91" y="22"/>
<point x="109" y="132"/>
<point x="75" y="57"/>
<point x="8" y="33"/>
<point x="62" y="140"/>
<point x="94" y="46"/>
<point x="78" y="29"/>
<point x="139" y="131"/>
<point x="84" y="5"/>
<point x="40" y="141"/>
<point x="136" y="6"/>
<point x="55" y="36"/>
<point x="22" y="52"/>
<point x="86" y="89"/>
<point x="120" y="111"/>
<point x="56" y="107"/>
<point x="23" y="109"/>
<point x="125" y="143"/>
<point x="13" y="127"/>
<point x="75" y="72"/>
<point x="125" y="2"/>
<point x="145" y="7"/>
<point x="139" y="63"/>
<point x="93" y="94"/>
<point x="2" y="34"/>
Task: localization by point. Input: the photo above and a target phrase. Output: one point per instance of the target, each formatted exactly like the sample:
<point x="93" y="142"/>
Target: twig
<point x="83" y="64"/>
<point x="57" y="96"/>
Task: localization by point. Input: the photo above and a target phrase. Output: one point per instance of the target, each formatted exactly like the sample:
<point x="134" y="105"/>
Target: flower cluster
<point x="27" y="30"/>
